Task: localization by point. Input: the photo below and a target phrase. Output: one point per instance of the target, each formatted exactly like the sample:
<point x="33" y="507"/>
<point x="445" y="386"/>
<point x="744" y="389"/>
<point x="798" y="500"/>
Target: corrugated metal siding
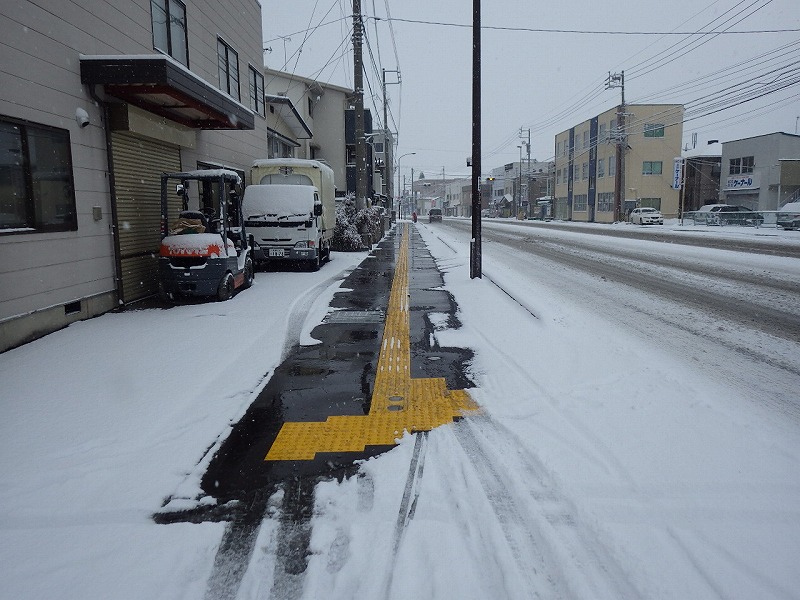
<point x="138" y="164"/>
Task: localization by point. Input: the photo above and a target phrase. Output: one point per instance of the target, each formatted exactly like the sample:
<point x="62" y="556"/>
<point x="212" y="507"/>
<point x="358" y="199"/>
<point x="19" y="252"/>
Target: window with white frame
<point x="585" y="139"/>
<point x="602" y="135"/>
<point x="585" y="170"/>
<point x="651" y="167"/>
<point x="741" y="165"/>
<point x="601" y="168"/>
<point x="580" y="202"/>
<point x="612" y="165"/>
<point x="605" y="202"/>
<point x="653" y="130"/>
<point x="228" y="63"/>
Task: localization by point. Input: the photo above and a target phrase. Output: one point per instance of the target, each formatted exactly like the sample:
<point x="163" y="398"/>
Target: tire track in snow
<point x="542" y="527"/>
<point x="407" y="505"/>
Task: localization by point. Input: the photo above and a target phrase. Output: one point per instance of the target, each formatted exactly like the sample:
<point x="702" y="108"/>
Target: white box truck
<point x="290" y="209"/>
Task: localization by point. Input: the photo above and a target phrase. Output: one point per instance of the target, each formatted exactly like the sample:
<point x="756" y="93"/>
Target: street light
<point x="399" y="202"/>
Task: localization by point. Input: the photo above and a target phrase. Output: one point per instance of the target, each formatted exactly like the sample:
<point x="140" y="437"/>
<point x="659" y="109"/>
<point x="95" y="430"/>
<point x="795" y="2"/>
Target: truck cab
<point x="290" y="208"/>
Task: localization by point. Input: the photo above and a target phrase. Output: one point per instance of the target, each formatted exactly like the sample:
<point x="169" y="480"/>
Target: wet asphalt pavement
<point x="335" y="377"/>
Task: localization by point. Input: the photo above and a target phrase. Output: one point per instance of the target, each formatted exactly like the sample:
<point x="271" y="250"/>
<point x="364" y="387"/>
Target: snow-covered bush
<point x="368" y="221"/>
<point x="352" y="225"/>
<point x="346" y="237"/>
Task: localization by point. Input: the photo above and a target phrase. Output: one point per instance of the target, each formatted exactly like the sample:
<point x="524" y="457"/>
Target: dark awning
<point x="285" y="109"/>
<point x="160" y="85"/>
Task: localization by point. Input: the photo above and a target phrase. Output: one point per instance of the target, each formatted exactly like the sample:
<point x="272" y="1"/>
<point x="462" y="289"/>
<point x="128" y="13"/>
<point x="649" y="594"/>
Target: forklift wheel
<point x="249" y="274"/>
<point x="225" y="289"/>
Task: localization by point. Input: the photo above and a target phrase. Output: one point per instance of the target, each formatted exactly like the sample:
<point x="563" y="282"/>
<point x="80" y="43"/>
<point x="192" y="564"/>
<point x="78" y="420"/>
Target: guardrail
<point x="759" y="218"/>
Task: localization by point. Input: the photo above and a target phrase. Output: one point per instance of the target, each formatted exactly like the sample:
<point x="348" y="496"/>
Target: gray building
<point x="98" y="99"/>
<point x="760" y="172"/>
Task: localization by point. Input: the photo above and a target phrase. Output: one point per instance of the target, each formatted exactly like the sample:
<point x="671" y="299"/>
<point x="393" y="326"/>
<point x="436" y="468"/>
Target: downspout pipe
<point x="112" y="191"/>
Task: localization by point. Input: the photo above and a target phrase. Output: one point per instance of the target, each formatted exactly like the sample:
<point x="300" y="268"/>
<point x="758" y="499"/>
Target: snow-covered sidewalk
<point x="646" y="480"/>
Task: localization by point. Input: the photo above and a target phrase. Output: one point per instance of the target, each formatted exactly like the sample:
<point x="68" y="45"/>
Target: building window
<point x="650" y="203"/>
<point x="601" y="168"/>
<point x="580" y="202"/>
<point x="169" y="29"/>
<point x="653" y="130"/>
<point x="585" y="171"/>
<point x="310" y="108"/>
<point x="228" y="62"/>
<point x="585" y="140"/>
<point x="278" y="148"/>
<point x="601" y="134"/>
<point x="612" y="166"/>
<point x="36" y="187"/>
<point x="742" y="165"/>
<point x="651" y="167"/>
<point x="605" y="202"/>
<point x="257" y="92"/>
<point x="558" y="176"/>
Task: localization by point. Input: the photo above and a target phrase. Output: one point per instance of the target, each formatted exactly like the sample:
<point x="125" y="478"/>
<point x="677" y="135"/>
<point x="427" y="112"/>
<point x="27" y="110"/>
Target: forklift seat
<point x="194" y="214"/>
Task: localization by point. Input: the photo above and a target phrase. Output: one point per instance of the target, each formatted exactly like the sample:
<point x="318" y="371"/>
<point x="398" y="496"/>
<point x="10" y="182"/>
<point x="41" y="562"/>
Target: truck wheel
<point x="314" y="263"/>
<point x="249" y="274"/>
<point x="225" y="289"/>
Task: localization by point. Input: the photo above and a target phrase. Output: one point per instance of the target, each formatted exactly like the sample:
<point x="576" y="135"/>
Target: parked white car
<point x="646" y="216"/>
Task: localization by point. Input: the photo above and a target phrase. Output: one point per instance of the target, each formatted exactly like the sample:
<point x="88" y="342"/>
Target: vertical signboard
<point x="677" y="173"/>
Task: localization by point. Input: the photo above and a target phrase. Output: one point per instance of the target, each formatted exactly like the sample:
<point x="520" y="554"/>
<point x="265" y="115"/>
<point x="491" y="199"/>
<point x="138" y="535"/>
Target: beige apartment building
<point x="98" y="99"/>
<point x="610" y="164"/>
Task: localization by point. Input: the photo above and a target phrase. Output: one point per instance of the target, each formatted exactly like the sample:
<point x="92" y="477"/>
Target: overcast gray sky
<point x="547" y="80"/>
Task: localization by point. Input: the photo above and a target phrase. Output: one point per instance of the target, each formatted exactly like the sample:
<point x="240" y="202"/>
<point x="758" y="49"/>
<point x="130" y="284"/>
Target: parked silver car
<point x="788" y="216"/>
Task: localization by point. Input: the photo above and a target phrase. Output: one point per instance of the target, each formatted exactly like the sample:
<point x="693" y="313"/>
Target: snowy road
<point x="736" y="314"/>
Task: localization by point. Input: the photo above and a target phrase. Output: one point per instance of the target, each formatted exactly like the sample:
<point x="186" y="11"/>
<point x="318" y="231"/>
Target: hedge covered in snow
<point x="352" y="223"/>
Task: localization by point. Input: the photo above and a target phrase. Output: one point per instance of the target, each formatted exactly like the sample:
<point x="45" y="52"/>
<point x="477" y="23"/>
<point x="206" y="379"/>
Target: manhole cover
<point x="356" y="316"/>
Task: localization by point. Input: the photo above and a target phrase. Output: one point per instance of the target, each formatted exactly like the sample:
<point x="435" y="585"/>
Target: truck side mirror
<point x="318" y="209"/>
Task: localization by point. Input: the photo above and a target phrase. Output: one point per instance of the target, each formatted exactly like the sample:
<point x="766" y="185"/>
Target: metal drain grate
<point x="356" y="316"/>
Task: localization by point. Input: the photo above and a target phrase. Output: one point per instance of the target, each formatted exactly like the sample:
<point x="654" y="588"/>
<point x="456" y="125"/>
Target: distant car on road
<point x="727" y="214"/>
<point x="789" y="216"/>
<point x="434" y="214"/>
<point x="646" y="216"/>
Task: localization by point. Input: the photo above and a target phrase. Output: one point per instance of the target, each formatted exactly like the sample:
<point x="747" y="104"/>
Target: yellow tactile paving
<point x="399" y="403"/>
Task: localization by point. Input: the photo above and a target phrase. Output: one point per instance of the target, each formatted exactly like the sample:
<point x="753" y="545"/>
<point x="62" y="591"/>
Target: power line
<point x="587" y="31"/>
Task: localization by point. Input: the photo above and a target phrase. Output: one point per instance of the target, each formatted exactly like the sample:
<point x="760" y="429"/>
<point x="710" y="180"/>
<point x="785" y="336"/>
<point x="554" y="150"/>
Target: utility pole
<point x="444" y="191"/>
<point x="358" y="84"/>
<point x="617" y="80"/>
<point x="528" y="179"/>
<point x="413" y="195"/>
<point x="388" y="147"/>
<point x="475" y="269"/>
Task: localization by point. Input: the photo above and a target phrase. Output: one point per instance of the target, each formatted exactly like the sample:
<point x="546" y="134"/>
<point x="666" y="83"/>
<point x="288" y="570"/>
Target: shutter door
<point x="138" y="164"/>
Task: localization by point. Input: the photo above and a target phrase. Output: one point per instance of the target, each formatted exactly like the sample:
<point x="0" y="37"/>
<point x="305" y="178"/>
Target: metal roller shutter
<point x="138" y="164"/>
